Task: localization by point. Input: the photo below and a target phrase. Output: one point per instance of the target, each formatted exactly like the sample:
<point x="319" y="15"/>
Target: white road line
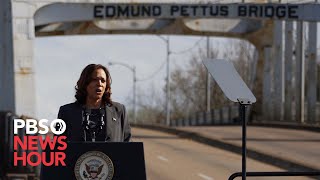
<point x="162" y="158"/>
<point x="203" y="176"/>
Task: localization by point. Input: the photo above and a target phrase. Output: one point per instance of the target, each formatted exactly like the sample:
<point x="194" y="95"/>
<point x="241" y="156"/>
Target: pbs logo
<point x="57" y="126"/>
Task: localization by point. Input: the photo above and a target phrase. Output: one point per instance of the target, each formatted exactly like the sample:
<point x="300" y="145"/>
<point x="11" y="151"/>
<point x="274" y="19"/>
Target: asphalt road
<point x="298" y="146"/>
<point x="169" y="157"/>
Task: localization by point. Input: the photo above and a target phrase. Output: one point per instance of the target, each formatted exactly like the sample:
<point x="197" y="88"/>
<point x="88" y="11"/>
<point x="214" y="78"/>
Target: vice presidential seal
<point x="94" y="165"/>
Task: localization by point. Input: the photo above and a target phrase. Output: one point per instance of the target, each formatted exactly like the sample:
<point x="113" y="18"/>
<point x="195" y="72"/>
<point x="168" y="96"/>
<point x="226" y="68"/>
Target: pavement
<point x="290" y="149"/>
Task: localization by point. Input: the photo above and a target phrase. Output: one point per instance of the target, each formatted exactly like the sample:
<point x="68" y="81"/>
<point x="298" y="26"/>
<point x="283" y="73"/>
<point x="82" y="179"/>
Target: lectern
<point x="99" y="160"/>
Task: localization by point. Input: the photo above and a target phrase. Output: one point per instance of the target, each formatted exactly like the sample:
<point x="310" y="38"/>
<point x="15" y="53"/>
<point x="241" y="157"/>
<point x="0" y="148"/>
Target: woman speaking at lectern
<point x="94" y="116"/>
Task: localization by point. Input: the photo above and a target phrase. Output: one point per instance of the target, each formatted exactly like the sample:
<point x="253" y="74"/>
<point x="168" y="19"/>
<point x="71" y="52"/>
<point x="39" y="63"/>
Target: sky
<point x="60" y="60"/>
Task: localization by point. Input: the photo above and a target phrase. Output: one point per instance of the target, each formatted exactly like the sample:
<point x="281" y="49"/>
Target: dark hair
<point x="85" y="79"/>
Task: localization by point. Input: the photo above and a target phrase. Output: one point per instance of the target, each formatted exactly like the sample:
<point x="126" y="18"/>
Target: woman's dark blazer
<point x="117" y="125"/>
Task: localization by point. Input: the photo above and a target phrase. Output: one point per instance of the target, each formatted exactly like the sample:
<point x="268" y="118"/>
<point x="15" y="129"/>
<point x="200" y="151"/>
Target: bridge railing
<point x="229" y="115"/>
<point x="223" y="116"/>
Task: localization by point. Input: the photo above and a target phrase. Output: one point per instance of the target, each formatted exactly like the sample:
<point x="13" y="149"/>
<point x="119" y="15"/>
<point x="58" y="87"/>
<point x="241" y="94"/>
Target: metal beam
<point x="312" y="72"/>
<point x="300" y="74"/>
<point x="267" y="81"/>
<point x="288" y="70"/>
<point x="92" y="11"/>
<point x="278" y="71"/>
<point x="7" y="82"/>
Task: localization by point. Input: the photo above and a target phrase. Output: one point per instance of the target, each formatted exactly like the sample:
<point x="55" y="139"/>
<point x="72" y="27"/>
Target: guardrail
<point x="229" y="115"/>
<point x="223" y="116"/>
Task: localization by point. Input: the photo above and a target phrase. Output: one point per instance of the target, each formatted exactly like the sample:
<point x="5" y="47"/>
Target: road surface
<point x="169" y="157"/>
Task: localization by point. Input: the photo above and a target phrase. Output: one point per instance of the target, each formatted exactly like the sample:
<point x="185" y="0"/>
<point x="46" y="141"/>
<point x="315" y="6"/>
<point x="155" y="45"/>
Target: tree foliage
<point x="188" y="84"/>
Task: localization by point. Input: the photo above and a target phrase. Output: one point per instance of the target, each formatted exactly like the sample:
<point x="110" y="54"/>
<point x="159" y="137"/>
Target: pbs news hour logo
<point x="37" y="140"/>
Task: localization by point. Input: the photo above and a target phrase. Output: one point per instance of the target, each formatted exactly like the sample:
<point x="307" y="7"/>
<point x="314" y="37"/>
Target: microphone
<point x="86" y="122"/>
<point x="95" y="125"/>
<point x="102" y="113"/>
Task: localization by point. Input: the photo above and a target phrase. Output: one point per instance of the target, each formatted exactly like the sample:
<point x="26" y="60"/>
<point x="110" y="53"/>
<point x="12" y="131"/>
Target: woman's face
<point x="97" y="85"/>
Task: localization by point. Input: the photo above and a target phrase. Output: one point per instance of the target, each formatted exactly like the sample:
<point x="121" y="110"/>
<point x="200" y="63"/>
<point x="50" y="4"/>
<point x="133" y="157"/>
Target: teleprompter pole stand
<point x="243" y="105"/>
<point x="243" y="108"/>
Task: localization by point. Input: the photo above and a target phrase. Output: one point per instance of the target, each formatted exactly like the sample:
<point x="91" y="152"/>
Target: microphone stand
<point x="101" y="124"/>
<point x="86" y="125"/>
<point x="93" y="136"/>
<point x="85" y="122"/>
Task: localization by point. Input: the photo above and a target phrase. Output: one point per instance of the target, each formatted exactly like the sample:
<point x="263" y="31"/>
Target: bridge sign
<point x="66" y="12"/>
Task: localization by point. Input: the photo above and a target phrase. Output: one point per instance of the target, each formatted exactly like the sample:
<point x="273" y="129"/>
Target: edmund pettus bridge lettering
<point x="277" y="11"/>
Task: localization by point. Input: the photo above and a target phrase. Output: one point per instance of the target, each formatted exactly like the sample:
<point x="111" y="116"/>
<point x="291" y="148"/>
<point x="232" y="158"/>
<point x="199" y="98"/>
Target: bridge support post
<point x="312" y="73"/>
<point x="23" y="28"/>
<point x="300" y="74"/>
<point x="267" y="81"/>
<point x="7" y="83"/>
<point x="288" y="70"/>
<point x="278" y="71"/>
<point x="261" y="39"/>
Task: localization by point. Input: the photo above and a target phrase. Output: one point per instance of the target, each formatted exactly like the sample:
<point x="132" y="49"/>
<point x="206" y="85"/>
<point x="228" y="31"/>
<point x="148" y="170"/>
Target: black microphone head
<point x="87" y="111"/>
<point x="102" y="112"/>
